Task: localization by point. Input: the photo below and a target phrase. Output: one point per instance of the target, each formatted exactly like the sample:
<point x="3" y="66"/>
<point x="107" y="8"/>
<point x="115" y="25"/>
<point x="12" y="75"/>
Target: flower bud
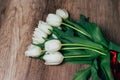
<point x="44" y="27"/>
<point x="38" y="36"/>
<point x="54" y="20"/>
<point x="62" y="13"/>
<point x="53" y="45"/>
<point x="54" y="36"/>
<point x="33" y="51"/>
<point x="53" y="58"/>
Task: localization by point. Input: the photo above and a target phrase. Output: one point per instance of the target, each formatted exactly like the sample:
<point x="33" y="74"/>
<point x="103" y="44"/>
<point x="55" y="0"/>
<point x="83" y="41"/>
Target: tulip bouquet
<point x="61" y="39"/>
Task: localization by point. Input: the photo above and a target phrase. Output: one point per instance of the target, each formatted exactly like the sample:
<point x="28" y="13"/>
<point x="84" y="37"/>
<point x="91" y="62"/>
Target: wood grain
<point x="18" y="18"/>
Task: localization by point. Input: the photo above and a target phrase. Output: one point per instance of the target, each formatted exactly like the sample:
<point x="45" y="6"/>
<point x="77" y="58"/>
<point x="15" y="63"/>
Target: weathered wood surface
<point x="18" y="18"/>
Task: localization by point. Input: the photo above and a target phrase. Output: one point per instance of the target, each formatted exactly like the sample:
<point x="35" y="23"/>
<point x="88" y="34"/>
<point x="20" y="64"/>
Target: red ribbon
<point x="115" y="65"/>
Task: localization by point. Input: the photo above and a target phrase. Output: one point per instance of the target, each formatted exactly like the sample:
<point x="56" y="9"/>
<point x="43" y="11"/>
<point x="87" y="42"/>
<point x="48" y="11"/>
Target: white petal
<point x="33" y="51"/>
<point x="40" y="32"/>
<point x="37" y="40"/>
<point x="53" y="45"/>
<point x="50" y="63"/>
<point x="54" y="20"/>
<point x="53" y="58"/>
<point x="44" y="27"/>
<point x="38" y="36"/>
<point x="62" y="13"/>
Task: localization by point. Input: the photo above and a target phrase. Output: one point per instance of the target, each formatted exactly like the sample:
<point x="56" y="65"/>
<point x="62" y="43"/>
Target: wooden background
<point x="18" y="18"/>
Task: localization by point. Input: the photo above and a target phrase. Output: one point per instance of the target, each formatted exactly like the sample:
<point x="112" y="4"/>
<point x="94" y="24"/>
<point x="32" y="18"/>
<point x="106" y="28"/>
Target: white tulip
<point x="53" y="45"/>
<point x="38" y="36"/>
<point x="44" y="27"/>
<point x="33" y="51"/>
<point x="62" y="13"/>
<point x="53" y="58"/>
<point x="54" y="20"/>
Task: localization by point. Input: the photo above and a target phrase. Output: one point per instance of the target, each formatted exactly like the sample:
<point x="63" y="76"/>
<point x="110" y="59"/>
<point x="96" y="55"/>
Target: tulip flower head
<point x="54" y="20"/>
<point x="53" y="58"/>
<point x="38" y="36"/>
<point x="33" y="51"/>
<point x="53" y="45"/>
<point x="62" y="13"/>
<point x="44" y="27"/>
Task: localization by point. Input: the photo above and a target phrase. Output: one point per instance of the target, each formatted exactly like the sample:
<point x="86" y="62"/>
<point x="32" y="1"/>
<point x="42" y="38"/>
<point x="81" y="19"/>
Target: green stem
<point x="83" y="45"/>
<point x="84" y="48"/>
<point x="76" y="29"/>
<point x="77" y="56"/>
<point x="43" y="50"/>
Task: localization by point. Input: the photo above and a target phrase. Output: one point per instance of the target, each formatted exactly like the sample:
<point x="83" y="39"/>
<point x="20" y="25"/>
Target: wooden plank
<point x="18" y="18"/>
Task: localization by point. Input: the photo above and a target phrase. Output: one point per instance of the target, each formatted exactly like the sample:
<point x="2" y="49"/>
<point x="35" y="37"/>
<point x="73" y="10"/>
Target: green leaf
<point x="95" y="32"/>
<point x="76" y="40"/>
<point x="95" y="70"/>
<point x="39" y="45"/>
<point x="76" y="53"/>
<point x="84" y="18"/>
<point x="94" y="74"/>
<point x="118" y="58"/>
<point x="113" y="46"/>
<point x="84" y="42"/>
<point x="82" y="74"/>
<point x="81" y="30"/>
<point x="105" y="67"/>
<point x="67" y="31"/>
<point x="59" y="33"/>
<point x="79" y="60"/>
